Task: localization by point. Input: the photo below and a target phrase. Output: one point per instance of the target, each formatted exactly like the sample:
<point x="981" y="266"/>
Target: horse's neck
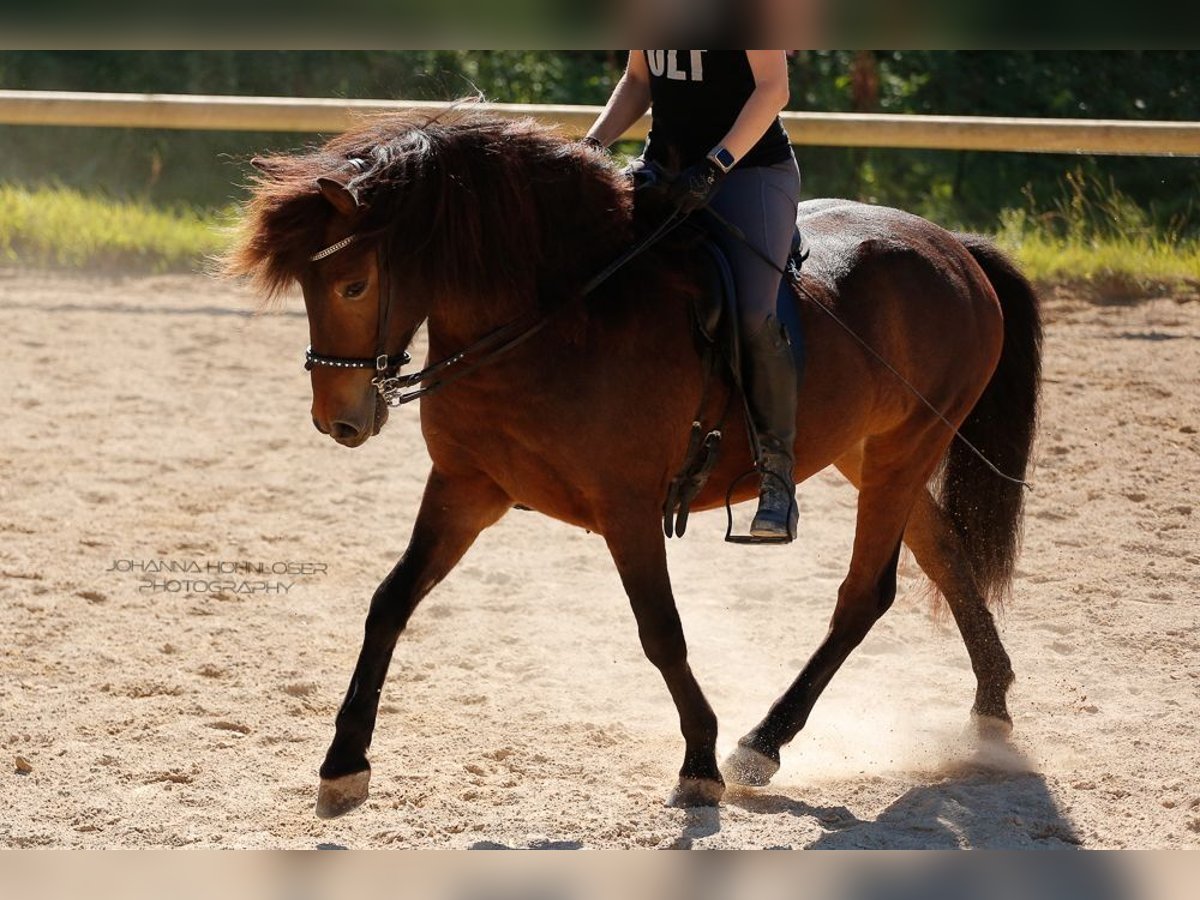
<point x="647" y="309"/>
<point x="457" y="322"/>
<point x="460" y="318"/>
<point x="538" y="263"/>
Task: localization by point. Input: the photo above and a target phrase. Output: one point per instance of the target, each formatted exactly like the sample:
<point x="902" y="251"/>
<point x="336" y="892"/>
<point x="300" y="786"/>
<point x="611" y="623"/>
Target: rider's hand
<point x="696" y="186"/>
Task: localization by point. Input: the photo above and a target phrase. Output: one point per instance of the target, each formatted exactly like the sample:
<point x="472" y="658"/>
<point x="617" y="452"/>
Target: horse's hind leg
<point x="453" y="512"/>
<point x="640" y="556"/>
<point x="891" y="483"/>
<point x="939" y="553"/>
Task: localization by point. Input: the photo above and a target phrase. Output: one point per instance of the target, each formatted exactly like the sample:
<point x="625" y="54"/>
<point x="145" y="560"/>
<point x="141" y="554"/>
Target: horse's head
<point x="354" y="317"/>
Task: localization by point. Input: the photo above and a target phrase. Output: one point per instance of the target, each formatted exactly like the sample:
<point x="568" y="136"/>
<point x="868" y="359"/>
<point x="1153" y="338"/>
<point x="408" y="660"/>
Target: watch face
<point x="725" y="158"/>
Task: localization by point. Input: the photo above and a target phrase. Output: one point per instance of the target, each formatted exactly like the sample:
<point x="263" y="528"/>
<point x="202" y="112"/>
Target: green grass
<point x="1125" y="262"/>
<point x="63" y="227"/>
<point x="1136" y="264"/>
<point x="1091" y="237"/>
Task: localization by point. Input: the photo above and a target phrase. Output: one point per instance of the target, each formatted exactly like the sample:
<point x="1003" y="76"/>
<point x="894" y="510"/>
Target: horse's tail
<point x="986" y="509"/>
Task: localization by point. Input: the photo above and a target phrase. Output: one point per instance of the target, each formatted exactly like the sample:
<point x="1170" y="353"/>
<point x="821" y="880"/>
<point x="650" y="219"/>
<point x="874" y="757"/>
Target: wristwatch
<point x="722" y="159"/>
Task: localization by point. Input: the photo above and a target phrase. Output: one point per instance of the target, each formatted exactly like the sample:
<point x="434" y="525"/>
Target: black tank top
<point x="696" y="95"/>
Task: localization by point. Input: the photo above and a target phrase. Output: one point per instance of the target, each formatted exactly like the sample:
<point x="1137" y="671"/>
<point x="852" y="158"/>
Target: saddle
<point x="715" y="320"/>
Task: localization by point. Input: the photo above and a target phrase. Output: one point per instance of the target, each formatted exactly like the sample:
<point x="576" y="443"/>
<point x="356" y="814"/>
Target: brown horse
<point x="471" y="223"/>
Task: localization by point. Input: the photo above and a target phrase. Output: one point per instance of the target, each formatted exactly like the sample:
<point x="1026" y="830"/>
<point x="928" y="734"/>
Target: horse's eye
<point x="355" y="290"/>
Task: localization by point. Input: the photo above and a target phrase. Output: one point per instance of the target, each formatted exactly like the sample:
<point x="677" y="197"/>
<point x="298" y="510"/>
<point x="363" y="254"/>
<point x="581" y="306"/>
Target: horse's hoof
<point x="991" y="728"/>
<point x="690" y="792"/>
<point x="747" y="766"/>
<point x="337" y="796"/>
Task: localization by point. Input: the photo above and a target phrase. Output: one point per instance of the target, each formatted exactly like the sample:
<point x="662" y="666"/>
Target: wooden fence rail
<point x="230" y="113"/>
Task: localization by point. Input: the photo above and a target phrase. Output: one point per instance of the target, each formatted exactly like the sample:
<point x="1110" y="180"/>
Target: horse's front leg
<point x="453" y="512"/>
<point x="640" y="555"/>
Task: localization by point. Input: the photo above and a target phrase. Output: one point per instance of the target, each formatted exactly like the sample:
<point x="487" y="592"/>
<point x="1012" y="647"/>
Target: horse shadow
<point x="970" y="805"/>
<point x="993" y="800"/>
<point x="990" y="797"/>
<point x="975" y="809"/>
<point x="698" y="822"/>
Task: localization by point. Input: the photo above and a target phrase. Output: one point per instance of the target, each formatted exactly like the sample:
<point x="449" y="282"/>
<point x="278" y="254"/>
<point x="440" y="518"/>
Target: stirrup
<point x="732" y="538"/>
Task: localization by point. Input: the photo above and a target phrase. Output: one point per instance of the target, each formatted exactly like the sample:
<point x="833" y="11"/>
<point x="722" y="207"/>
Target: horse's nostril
<point x="343" y="431"/>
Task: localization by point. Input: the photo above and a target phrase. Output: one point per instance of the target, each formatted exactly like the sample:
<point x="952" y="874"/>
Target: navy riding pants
<point x="761" y="201"/>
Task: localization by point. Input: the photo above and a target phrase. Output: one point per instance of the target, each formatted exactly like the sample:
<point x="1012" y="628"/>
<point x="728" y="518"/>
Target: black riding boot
<point x="769" y="378"/>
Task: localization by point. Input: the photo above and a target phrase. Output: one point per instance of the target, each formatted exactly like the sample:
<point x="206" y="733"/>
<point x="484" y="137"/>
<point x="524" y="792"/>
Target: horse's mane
<point x="473" y="205"/>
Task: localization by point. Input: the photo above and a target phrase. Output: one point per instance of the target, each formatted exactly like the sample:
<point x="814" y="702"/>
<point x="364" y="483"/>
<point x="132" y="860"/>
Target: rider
<point x="716" y="114"/>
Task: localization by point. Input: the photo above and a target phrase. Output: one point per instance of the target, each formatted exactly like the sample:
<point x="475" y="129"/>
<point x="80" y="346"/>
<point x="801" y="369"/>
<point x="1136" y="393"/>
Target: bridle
<point x="396" y="389"/>
<point x="382" y="362"/>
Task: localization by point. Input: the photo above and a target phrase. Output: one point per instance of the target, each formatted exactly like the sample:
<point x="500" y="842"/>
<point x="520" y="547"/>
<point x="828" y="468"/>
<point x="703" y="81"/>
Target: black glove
<point x="696" y="186"/>
<point x="642" y="174"/>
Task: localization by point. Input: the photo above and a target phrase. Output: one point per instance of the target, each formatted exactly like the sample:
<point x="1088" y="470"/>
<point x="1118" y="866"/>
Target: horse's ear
<point x="340" y="196"/>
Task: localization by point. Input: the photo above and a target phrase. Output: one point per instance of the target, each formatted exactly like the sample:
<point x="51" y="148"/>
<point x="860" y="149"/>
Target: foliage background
<point x="958" y="188"/>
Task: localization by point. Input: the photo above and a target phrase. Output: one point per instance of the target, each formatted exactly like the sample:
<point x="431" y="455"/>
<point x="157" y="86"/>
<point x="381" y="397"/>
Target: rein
<point x="397" y="390"/>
